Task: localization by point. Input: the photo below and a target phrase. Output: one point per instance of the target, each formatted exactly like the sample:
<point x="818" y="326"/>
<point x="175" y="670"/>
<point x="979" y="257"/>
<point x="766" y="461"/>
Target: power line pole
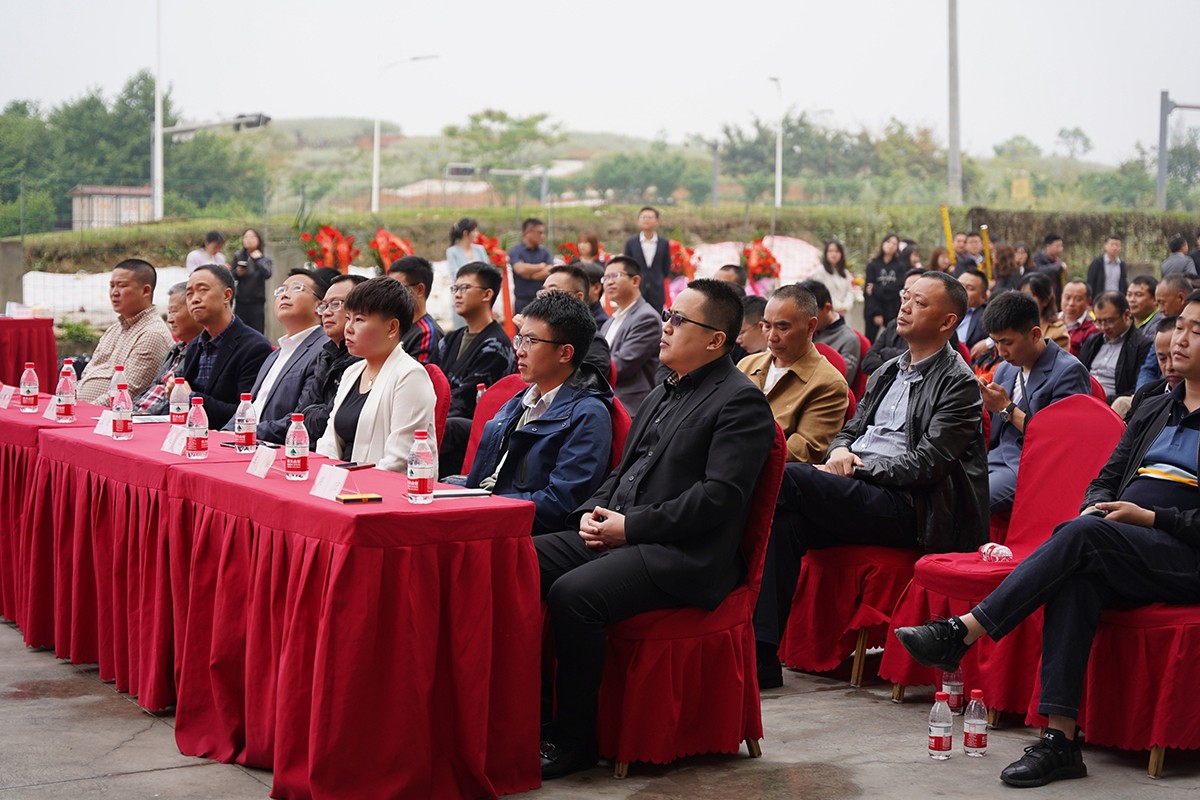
<point x="954" y="152"/>
<point x="1165" y="106"/>
<point x="156" y="145"/>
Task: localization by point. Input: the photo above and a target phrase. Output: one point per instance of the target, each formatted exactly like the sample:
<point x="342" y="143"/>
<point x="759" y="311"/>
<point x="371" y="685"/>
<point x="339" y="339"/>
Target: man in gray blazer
<point x="291" y="367"/>
<point x="1035" y="373"/>
<point x="633" y="333"/>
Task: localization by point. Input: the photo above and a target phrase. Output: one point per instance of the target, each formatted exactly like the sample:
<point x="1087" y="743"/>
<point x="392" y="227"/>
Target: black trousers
<point x="1088" y="565"/>
<point x="453" y="447"/>
<point x="252" y="313"/>
<point x="585" y="591"/>
<point x="816" y="510"/>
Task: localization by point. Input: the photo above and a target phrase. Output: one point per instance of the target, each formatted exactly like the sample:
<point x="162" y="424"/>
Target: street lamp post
<point x="378" y="114"/>
<point x="156" y="141"/>
<point x="778" y="156"/>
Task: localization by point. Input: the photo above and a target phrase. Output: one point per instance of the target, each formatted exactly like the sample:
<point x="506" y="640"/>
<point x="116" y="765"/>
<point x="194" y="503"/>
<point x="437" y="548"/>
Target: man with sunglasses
<point x="633" y="332"/>
<point x="316" y="401"/>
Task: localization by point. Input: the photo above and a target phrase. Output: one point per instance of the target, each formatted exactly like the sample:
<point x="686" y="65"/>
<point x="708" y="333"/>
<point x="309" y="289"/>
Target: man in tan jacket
<point x="808" y="395"/>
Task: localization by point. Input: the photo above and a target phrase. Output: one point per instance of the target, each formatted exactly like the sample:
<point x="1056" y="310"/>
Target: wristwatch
<point x="1006" y="414"/>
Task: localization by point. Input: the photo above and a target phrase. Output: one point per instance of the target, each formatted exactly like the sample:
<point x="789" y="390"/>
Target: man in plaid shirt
<point x="156" y="400"/>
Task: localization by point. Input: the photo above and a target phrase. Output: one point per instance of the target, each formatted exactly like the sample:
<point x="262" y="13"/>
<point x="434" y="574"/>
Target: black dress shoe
<point x="770" y="671"/>
<point x="1053" y="758"/>
<point x="559" y="761"/>
<point x="938" y="643"/>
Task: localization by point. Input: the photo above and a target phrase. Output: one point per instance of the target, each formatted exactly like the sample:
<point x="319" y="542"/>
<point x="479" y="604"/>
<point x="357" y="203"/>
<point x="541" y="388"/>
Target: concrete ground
<point x="66" y="734"/>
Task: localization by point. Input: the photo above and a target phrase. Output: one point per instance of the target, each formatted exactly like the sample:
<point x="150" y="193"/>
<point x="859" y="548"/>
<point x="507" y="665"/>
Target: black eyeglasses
<point x="522" y="342"/>
<point x="676" y="319"/>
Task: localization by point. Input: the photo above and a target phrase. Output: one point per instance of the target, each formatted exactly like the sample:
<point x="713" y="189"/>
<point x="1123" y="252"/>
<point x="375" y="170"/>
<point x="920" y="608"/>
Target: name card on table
<point x="51" y="412"/>
<point x="176" y="439"/>
<point x="329" y="482"/>
<point x="6" y="395"/>
<point x="104" y="424"/>
<point x="264" y="459"/>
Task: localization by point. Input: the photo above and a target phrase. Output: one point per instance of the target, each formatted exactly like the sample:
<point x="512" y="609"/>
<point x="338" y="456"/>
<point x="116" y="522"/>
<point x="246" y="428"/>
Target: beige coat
<point x="809" y="402"/>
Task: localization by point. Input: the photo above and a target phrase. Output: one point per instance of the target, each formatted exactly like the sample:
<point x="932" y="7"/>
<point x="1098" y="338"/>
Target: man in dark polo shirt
<point x="530" y="262"/>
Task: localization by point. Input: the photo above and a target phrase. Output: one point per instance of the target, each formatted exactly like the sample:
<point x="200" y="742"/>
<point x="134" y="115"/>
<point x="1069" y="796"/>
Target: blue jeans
<point x="1088" y="565"/>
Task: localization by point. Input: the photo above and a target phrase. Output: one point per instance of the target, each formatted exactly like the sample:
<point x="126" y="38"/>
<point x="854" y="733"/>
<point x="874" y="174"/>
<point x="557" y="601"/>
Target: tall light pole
<point x="156" y="143"/>
<point x="778" y="154"/>
<point x="954" y="153"/>
<point x="378" y="114"/>
<point x="1165" y="106"/>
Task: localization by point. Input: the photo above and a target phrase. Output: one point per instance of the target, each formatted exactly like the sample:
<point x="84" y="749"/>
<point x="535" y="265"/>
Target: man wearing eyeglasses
<point x="422" y="339"/>
<point x="291" y="368"/>
<point x="316" y="401"/>
<point x="633" y="332"/>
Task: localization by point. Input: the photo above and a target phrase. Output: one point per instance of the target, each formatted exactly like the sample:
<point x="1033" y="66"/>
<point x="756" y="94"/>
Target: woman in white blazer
<point x="387" y="397"/>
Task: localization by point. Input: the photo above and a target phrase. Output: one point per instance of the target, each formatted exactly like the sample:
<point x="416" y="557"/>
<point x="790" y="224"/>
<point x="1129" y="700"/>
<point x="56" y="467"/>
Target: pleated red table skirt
<point x="24" y="340"/>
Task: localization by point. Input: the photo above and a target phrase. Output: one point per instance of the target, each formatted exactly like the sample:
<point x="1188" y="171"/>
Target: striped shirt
<point x="422" y="339"/>
<point x="140" y="343"/>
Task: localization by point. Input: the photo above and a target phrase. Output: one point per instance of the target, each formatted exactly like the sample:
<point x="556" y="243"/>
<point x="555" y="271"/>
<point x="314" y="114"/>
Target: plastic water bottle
<point x="180" y="400"/>
<point x="941" y="728"/>
<point x="952" y="685"/>
<point x="117" y="379"/>
<point x="70" y="362"/>
<point x="29" y="390"/>
<point x="975" y="726"/>
<point x="64" y="397"/>
<point x="421" y="470"/>
<point x="480" y="388"/>
<point x="245" y="425"/>
<point x="122" y="411"/>
<point x="295" y="450"/>
<point x="197" y="431"/>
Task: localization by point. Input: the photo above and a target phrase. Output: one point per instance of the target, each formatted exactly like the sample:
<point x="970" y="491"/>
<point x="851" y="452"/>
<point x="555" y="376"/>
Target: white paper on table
<point x="142" y="420"/>
<point x="51" y="412"/>
<point x="6" y="395"/>
<point x="445" y="493"/>
<point x="104" y="425"/>
<point x="176" y="439"/>
<point x="264" y="459"/>
<point x="329" y="482"/>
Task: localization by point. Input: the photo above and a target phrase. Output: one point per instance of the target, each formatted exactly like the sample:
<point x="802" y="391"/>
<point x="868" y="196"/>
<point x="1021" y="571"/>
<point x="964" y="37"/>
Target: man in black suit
<point x="225" y="358"/>
<point x="970" y="329"/>
<point x="1108" y="272"/>
<point x="665" y="528"/>
<point x="1115" y="357"/>
<point x="653" y="254"/>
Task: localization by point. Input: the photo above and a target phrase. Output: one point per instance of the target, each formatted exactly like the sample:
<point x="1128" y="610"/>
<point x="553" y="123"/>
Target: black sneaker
<point x="1053" y="758"/>
<point x="938" y="643"/>
<point x="770" y="671"/>
<point x="558" y="761"/>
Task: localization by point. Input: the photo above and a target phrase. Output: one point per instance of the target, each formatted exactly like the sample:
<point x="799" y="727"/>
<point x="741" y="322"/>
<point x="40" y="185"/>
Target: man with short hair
<point x="959" y="245"/>
<point x="1170" y="297"/>
<point x="1142" y="305"/>
<point x="595" y="274"/>
<point x="665" y="529"/>
<point x="530" y="262"/>
<point x="551" y="444"/>
<point x="833" y="330"/>
<point x="1164" y="333"/>
<point x="889" y="344"/>
<point x="1114" y="357"/>
<point x="732" y="273"/>
<point x="209" y="253"/>
<point x="422" y="339"/>
<point x="808" y="395"/>
<point x="1136" y="541"/>
<point x="156" y="400"/>
<point x="908" y="470"/>
<point x="652" y="254"/>
<point x="571" y="280"/>
<point x="751" y="339"/>
<point x="970" y="330"/>
<point x="1108" y="272"/>
<point x="1035" y="373"/>
<point x="138" y="341"/>
<point x="316" y="402"/>
<point x="1048" y="261"/>
<point x="225" y="359"/>
<point x="972" y="256"/>
<point x="290" y="370"/>
<point x="633" y="333"/>
<point x="1178" y="262"/>
<point x="1077" y="314"/>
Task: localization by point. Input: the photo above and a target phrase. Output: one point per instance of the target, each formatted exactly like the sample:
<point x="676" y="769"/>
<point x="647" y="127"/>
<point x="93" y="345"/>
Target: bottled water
<point x="122" y="411"/>
<point x="480" y="388"/>
<point x="941" y="728"/>
<point x="117" y="379"/>
<point x="952" y="685"/>
<point x="197" y="431"/>
<point x="295" y="450"/>
<point x="29" y="389"/>
<point x="245" y="425"/>
<point x="975" y="726"/>
<point x="64" y="397"/>
<point x="421" y="470"/>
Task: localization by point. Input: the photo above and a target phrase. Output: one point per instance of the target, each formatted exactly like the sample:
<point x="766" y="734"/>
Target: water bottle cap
<point x="197" y="401"/>
<point x="179" y="381"/>
<point x="941" y="697"/>
<point x="245" y="396"/>
<point x="122" y="387"/>
<point x="481" y="386"/>
<point x="67" y="361"/>
<point x="422" y="435"/>
<point x="297" y="418"/>
<point x="119" y="368"/>
<point x="28" y="365"/>
<point x="977" y="694"/>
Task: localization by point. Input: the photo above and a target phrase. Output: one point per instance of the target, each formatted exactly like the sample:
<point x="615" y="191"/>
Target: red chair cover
<point x="851" y="405"/>
<point x="1098" y="390"/>
<point x="683" y="681"/>
<point x="965" y="353"/>
<point x="953" y="583"/>
<point x="998" y="528"/>
<point x="832" y="356"/>
<point x="841" y="590"/>
<point x="441" y="388"/>
<point x="860" y="381"/>
<point x="493" y="399"/>
<point x="621" y="423"/>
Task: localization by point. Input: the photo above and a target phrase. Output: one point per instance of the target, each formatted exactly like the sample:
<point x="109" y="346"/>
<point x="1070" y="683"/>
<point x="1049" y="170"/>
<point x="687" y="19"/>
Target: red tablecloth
<point x="385" y="650"/>
<point x="98" y="507"/>
<point x="24" y="340"/>
<point x="18" y="460"/>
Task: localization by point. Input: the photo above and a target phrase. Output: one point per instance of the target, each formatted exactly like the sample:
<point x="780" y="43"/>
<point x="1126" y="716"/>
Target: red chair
<point x="965" y="353"/>
<point x="1098" y="390"/>
<point x="441" y="388"/>
<point x="953" y="583"/>
<point x="859" y="386"/>
<point x="492" y="401"/>
<point x="832" y="356"/>
<point x="851" y="406"/>
<point x="612" y="373"/>
<point x="621" y="423"/>
<point x="683" y="681"/>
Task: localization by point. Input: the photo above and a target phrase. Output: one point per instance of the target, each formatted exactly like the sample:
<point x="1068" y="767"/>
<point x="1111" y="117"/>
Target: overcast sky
<point x="639" y="67"/>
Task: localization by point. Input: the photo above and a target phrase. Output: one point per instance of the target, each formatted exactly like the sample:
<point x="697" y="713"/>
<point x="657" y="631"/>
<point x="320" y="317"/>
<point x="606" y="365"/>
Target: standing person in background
<point x="210" y="253"/>
<point x="972" y="255"/>
<point x="1107" y="272"/>
<point x="883" y="280"/>
<point x="1049" y="262"/>
<point x="251" y="269"/>
<point x="530" y="262"/>
<point x="1178" y="262"/>
<point x="837" y="277"/>
<point x="1023" y="257"/>
<point x="1038" y="286"/>
<point x="653" y="254"/>
<point x="421" y="341"/>
<point x="463" y="250"/>
<point x="910" y="256"/>
<point x="939" y="260"/>
<point x="959" y="243"/>
<point x="1006" y="275"/>
<point x="589" y="249"/>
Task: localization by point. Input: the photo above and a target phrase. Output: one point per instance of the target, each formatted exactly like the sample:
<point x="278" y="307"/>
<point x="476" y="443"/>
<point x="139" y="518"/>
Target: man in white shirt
<point x="653" y="255"/>
<point x="210" y="253"/>
<point x="633" y="333"/>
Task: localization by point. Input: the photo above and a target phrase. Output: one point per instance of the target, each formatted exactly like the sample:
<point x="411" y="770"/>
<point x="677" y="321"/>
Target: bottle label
<point x="122" y="425"/>
<point x="244" y="434"/>
<point x="29" y="397"/>
<point x="296" y="463"/>
<point x="65" y="407"/>
<point x="940" y="737"/>
<point x="419" y="485"/>
<point x="975" y="734"/>
<point x="179" y="413"/>
<point x="956" y="696"/>
<point x="197" y="444"/>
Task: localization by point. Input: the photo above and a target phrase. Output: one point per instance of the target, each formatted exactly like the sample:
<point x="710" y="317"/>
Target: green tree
<point x="1075" y="141"/>
<point x="492" y="138"/>
<point x="1017" y="148"/>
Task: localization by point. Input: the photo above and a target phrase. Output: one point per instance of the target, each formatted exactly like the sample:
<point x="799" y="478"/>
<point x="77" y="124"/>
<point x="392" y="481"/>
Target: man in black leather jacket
<point x="909" y="470"/>
<point x="1136" y="541"/>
